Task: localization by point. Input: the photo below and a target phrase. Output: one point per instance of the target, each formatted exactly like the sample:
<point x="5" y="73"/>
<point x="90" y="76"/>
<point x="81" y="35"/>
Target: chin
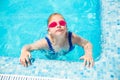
<point x="60" y="33"/>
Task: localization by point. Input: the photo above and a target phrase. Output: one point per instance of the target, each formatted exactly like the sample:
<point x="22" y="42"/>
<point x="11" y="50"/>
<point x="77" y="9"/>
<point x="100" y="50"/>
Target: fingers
<point x="88" y="62"/>
<point x="25" y="58"/>
<point x="85" y="62"/>
<point x="91" y="63"/>
<point x="25" y="62"/>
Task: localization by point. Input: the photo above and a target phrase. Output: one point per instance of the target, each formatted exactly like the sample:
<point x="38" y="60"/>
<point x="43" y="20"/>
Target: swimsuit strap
<point x="49" y="44"/>
<point x="70" y="40"/>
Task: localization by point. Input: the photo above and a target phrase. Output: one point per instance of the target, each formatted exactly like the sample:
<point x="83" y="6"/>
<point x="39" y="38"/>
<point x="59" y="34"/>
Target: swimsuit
<point x="52" y="51"/>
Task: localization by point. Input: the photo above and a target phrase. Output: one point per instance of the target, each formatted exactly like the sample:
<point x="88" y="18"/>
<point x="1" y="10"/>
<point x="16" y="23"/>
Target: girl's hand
<point x="24" y="58"/>
<point x="88" y="60"/>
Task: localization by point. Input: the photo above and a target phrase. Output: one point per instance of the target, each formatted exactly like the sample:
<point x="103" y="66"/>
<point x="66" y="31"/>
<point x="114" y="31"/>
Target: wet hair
<point x="49" y="18"/>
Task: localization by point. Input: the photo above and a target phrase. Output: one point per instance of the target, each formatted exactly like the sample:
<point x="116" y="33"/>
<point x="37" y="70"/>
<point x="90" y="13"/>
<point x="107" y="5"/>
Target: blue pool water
<point x="23" y="22"/>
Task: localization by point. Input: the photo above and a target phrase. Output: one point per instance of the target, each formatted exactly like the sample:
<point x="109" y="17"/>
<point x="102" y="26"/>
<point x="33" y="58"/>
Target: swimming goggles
<point x="54" y="24"/>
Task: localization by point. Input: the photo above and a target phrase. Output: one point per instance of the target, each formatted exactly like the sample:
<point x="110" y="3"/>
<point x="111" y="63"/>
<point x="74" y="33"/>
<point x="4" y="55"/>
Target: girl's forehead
<point x="56" y="17"/>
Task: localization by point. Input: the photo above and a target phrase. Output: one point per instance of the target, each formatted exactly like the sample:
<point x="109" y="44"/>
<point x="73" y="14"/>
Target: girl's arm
<point x="88" y="59"/>
<point x="25" y="52"/>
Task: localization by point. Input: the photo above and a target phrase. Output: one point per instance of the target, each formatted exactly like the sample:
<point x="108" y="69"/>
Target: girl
<point x="58" y="41"/>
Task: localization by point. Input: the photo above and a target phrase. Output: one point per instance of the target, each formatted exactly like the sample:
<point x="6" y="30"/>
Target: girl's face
<point x="57" y="25"/>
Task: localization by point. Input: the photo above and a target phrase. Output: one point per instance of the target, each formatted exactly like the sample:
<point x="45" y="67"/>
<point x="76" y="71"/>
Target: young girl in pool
<point x="58" y="40"/>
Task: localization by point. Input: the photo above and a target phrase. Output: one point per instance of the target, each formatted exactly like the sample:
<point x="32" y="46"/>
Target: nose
<point x="58" y="25"/>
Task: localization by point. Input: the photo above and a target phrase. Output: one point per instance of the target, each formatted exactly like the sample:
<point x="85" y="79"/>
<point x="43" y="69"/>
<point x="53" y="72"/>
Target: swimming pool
<point x="26" y="22"/>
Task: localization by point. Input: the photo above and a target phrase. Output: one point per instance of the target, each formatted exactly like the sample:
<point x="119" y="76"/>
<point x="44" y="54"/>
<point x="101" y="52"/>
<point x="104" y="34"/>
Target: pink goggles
<point x="54" y="24"/>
